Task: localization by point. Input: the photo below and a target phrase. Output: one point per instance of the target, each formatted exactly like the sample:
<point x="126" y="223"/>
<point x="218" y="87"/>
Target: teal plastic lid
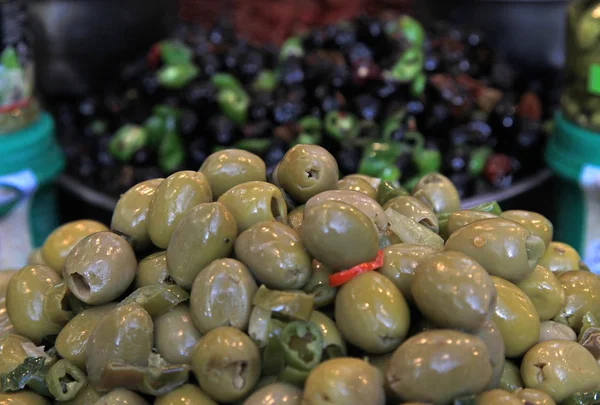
<point x="571" y="148"/>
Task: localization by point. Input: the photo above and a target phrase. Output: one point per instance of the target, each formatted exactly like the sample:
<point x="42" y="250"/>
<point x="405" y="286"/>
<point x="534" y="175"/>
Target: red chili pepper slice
<point x="342" y="277"/>
<point x="153" y="56"/>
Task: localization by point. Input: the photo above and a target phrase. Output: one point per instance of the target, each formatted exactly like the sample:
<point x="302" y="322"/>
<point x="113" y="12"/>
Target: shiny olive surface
<point x="516" y="317"/>
<point x="441" y="192"/>
<point x="453" y="291"/>
<point x="462" y="218"/>
<point x="357" y="184"/>
<point x="414" y="209"/>
<point x="14" y="349"/>
<point x="276" y="393"/>
<point x="230" y="167"/>
<point x="175" y="335"/>
<point x="173" y="198"/>
<point x="504" y="248"/>
<point x="511" y="377"/>
<point x="275" y="255"/>
<point x="100" y="268"/>
<point x="226" y="363"/>
<point x="25" y="297"/>
<point x="187" y="394"/>
<point x="545" y="292"/>
<point x="582" y="295"/>
<point x="373" y="181"/>
<point x="497" y="397"/>
<point x="560" y="368"/>
<point x="130" y="217"/>
<point x="560" y="257"/>
<point x="318" y="285"/>
<point x="329" y="330"/>
<point x="536" y="223"/>
<point x="307" y="170"/>
<point x="450" y="364"/>
<point x="530" y="396"/>
<point x="339" y="235"/>
<point x="152" y="270"/>
<point x="371" y="313"/>
<point x="222" y="296"/>
<point x="344" y="381"/>
<point x="550" y="330"/>
<point x="206" y="233"/>
<point x="254" y="202"/>
<point x="491" y="336"/>
<point x="63" y="239"/>
<point x="400" y="262"/>
<point x="121" y="396"/>
<point x="22" y="398"/>
<point x="296" y="217"/>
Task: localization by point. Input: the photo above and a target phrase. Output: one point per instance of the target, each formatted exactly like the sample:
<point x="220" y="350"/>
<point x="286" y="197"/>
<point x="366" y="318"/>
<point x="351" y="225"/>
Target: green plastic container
<point x="573" y="153"/>
<point x="30" y="161"/>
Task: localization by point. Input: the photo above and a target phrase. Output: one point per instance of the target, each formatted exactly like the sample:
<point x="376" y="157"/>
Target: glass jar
<point x="18" y="107"/>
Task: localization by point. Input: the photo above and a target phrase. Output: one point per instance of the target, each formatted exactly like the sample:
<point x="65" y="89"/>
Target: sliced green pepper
<point x="175" y="52"/>
<point x="410" y="29"/>
<point x="428" y="161"/>
<point x="158" y="298"/>
<point x="254" y="145"/>
<point x="409" y="66"/>
<point x="155" y="127"/>
<point x="379" y="156"/>
<point x="478" y="158"/>
<point x="234" y="103"/>
<point x="412" y="182"/>
<point x="303" y="345"/>
<point x="341" y="126"/>
<point x="588" y="321"/>
<point x="273" y="359"/>
<point x="411" y="232"/>
<point x="65" y="380"/>
<point x="265" y="81"/>
<point x="387" y="190"/>
<point x="171" y="153"/>
<point x="291" y="47"/>
<point x="390" y="173"/>
<point x="318" y="285"/>
<point x="56" y="304"/>
<point x="492" y="207"/>
<point x="127" y="141"/>
<point x="177" y="76"/>
<point x="16" y="379"/>
<point x="292" y="304"/>
<point x="417" y="88"/>
<point x="293" y="376"/>
<point x="583" y="398"/>
<point x="225" y="81"/>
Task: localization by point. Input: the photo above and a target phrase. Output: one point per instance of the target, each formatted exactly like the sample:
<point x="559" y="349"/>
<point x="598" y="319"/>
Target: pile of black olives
<point x="228" y="286"/>
<point x="387" y="97"/>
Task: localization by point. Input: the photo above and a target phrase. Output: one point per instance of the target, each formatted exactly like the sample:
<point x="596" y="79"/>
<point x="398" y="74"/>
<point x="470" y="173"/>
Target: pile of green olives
<point x="233" y="286"/>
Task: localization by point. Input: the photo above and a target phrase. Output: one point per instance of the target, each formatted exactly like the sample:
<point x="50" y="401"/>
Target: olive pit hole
<point x="238" y="371"/>
<point x="312" y="174"/>
<point x="65" y="304"/>
<point x="81" y="284"/>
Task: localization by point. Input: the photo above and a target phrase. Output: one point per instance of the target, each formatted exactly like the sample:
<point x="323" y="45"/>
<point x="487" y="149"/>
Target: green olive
<point x="339" y="235"/>
<point x="14" y="349"/>
<point x="329" y="330"/>
<point x="560" y="368"/>
<point x="504" y="248"/>
<point x="415" y="209"/>
<point x="6" y="326"/>
<point x="226" y="363"/>
<point x="254" y="202"/>
<point x="536" y="223"/>
<point x="373" y="181"/>
<point x="36" y="257"/>
<point x="275" y="255"/>
<point x="276" y="393"/>
<point x="173" y="198"/>
<point x="516" y="317"/>
<point x="440" y="191"/>
<point x="582" y="295"/>
<point x="86" y="396"/>
<point x="545" y="291"/>
<point x="491" y="336"/>
<point x="450" y="364"/>
<point x="497" y="397"/>
<point x="400" y="262"/>
<point x="462" y="218"/>
<point x="453" y="291"/>
<point x="318" y="285"/>
<point x="222" y="295"/>
<point x="511" y="377"/>
<point x="357" y="184"/>
<point x="296" y="217"/>
<point x="529" y="396"/>
<point x="206" y="233"/>
<point x="100" y="268"/>
<point x="187" y="394"/>
<point x="22" y="398"/>
<point x="152" y="270"/>
<point x="124" y="335"/>
<point x="230" y="167"/>
<point x="25" y="296"/>
<point x="63" y="239"/>
<point x="371" y="313"/>
<point x="121" y="396"/>
<point x="307" y="170"/>
<point x="344" y="381"/>
<point x="130" y="217"/>
<point x="72" y="341"/>
<point x="550" y="330"/>
<point x="381" y="363"/>
<point x="175" y="335"/>
<point x="560" y="257"/>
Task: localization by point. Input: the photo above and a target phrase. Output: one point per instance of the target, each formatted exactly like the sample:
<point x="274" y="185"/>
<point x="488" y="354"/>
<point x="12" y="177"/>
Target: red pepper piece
<point x="342" y="277"/>
<point x="153" y="56"/>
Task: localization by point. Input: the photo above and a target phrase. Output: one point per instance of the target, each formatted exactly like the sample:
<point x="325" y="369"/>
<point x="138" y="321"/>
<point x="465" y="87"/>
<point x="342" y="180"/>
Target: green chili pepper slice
<point x="428" y="161"/>
<point x="265" y="81"/>
<point x="292" y="304"/>
<point x="56" y="304"/>
<point x="341" y="125"/>
<point x="225" y="81"/>
<point x="408" y="67"/>
<point x="588" y="321"/>
<point x="318" y="285"/>
<point x="273" y="359"/>
<point x="478" y="158"/>
<point x="256" y="145"/>
<point x="234" y="103"/>
<point x="303" y="345"/>
<point x="410" y="29"/>
<point x="65" y="380"/>
<point x="171" y="152"/>
<point x="380" y="157"/>
<point x="17" y="378"/>
<point x="127" y="141"/>
<point x="583" y="398"/>
<point x="387" y="190"/>
<point x="177" y="76"/>
<point x="175" y="52"/>
<point x="492" y="207"/>
<point x="155" y="127"/>
<point x="411" y="232"/>
<point x="291" y="47"/>
<point x="418" y="85"/>
<point x="158" y="298"/>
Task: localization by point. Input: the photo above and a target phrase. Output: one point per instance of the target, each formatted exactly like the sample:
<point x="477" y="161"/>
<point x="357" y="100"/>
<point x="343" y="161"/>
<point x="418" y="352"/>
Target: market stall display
<point x="298" y="285"/>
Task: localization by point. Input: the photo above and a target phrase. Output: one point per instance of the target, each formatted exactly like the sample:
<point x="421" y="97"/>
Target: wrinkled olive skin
<point x="516" y="317"/>
<point x="152" y="270"/>
<point x="130" y="217"/>
<point x="175" y="335"/>
<point x="175" y="196"/>
<point x="14" y="349"/>
<point x="339" y="235"/>
<point x="560" y="368"/>
<point x="497" y="397"/>
<point x="415" y="209"/>
<point x="307" y="170"/>
<point x="222" y="296"/>
<point x="206" y="233"/>
<point x="560" y="257"/>
<point x="226" y="363"/>
<point x="121" y="396"/>
<point x="276" y="393"/>
<point x="400" y="262"/>
<point x="582" y="295"/>
<point x="318" y="285"/>
<point x="491" y="336"/>
<point x="371" y="313"/>
<point x="73" y="339"/>
<point x="329" y="330"/>
<point x="550" y="330"/>
<point x="296" y="217"/>
<point x="187" y="394"/>
<point x="275" y="255"/>
<point x="534" y="397"/>
<point x="452" y="364"/>
<point x="344" y="381"/>
<point x="25" y="296"/>
<point x="511" y="377"/>
<point x="63" y="239"/>
<point x="22" y="398"/>
<point x="504" y="248"/>
<point x="357" y="184"/>
<point x="462" y="218"/>
<point x="441" y="192"/>
<point x="545" y="291"/>
<point x="536" y="223"/>
<point x="254" y="202"/>
<point x="125" y="334"/>
<point x="100" y="268"/>
<point x="86" y="396"/>
<point x="228" y="168"/>
<point x="363" y="203"/>
<point x="453" y="291"/>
